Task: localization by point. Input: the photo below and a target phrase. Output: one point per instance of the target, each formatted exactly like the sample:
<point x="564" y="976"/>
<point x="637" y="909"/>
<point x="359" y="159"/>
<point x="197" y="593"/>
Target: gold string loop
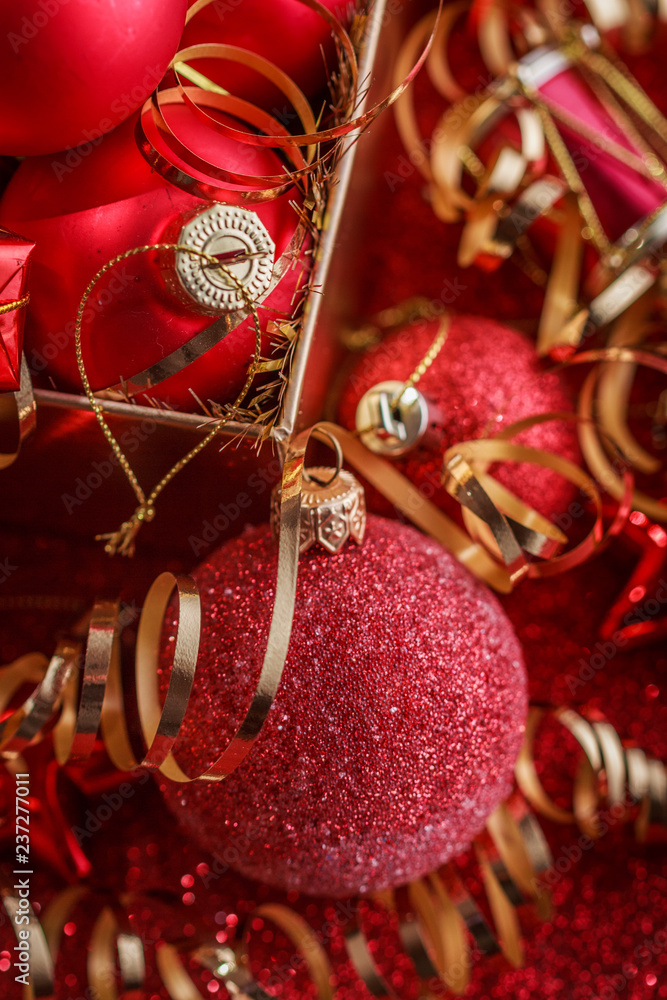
<point x="122" y="541"/>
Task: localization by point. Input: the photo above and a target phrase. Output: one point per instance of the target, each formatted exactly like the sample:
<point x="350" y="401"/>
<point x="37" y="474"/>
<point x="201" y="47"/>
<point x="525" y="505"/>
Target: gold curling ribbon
<point x="622" y="780"/>
<point x="495" y="556"/>
<point x="26" y="724"/>
<point x="114" y="951"/>
<point x="159" y="143"/>
<point x="491" y="513"/>
<point x="445" y="83"/>
<point x="613" y="412"/>
<point x="440" y="925"/>
<point x="483" y="554"/>
<point x="493" y="36"/>
<point x="220" y="183"/>
<point x="232" y="966"/>
<point x="111" y="945"/>
<point x="41" y="982"/>
<point x="82" y="697"/>
<point x="510" y="193"/>
<point x="477" y="455"/>
<point x="277" y="77"/>
<point x="615" y="384"/>
<point x="211" y="181"/>
<point x="422" y="512"/>
<point x="439" y="72"/>
<point x="439" y="922"/>
<point x="482" y="496"/>
<point x="454" y="140"/>
<point x="501" y="528"/>
<point x="562" y="292"/>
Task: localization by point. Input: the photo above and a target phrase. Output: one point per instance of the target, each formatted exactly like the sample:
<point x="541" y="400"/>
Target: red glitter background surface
<point x="606" y="936"/>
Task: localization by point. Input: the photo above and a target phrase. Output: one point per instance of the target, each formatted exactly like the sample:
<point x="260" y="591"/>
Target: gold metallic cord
<point x="122" y="541"/>
<point x="16" y="304"/>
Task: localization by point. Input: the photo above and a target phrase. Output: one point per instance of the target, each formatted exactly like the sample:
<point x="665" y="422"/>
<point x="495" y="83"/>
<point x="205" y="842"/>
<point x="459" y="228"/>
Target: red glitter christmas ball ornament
<point x="485" y="377"/>
<point x="85" y="210"/>
<point x="71" y="70"/>
<point x="394" y="731"/>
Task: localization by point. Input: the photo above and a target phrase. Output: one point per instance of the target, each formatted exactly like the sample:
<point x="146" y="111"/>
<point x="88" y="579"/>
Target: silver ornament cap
<point x="333" y="510"/>
<point x="245" y="248"/>
<point x="391" y="418"/>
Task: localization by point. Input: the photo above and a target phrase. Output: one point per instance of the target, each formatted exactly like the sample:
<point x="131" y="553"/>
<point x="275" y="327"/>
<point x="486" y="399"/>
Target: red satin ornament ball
<point x="484" y="371"/>
<point x="286" y="32"/>
<point x="395" y="729"/>
<point x="85" y="210"/>
<point x="71" y="70"/>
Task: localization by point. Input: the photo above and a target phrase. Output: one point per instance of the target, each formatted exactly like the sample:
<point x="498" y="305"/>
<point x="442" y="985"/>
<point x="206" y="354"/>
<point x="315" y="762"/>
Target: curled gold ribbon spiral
<point x="500" y="530"/>
<point x="606" y="390"/>
<point x="440" y="924"/>
<point x="622" y="779"/>
<point x="310" y="152"/>
<point x="80" y="688"/>
<point x="495" y="556"/>
<point x="476" y="455"/>
<point x="441" y="927"/>
<point x="83" y="694"/>
<point x="513" y="190"/>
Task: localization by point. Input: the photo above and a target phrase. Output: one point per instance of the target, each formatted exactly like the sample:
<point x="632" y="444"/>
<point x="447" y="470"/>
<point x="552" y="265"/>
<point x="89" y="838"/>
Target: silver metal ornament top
<point x="333" y="509"/>
<point x="391" y="419"/>
<point x="230" y="232"/>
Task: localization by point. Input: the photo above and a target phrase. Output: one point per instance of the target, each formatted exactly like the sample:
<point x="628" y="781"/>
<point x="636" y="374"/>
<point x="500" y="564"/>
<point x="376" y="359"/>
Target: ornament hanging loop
<point x="312" y="475"/>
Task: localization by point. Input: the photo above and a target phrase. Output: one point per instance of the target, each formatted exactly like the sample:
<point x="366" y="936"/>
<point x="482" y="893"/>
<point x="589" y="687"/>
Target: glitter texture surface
<point x="485" y="370"/>
<point x="394" y="731"/>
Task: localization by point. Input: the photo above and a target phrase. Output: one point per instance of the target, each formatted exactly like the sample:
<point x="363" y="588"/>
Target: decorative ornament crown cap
<point x="333" y="509"/>
<point x="242" y="242"/>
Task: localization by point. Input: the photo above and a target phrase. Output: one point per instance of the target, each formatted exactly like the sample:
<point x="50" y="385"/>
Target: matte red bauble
<point x="286" y="32"/>
<point x="484" y="370"/>
<point x="394" y="731"/>
<point x="82" y="212"/>
<point x="71" y="70"/>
